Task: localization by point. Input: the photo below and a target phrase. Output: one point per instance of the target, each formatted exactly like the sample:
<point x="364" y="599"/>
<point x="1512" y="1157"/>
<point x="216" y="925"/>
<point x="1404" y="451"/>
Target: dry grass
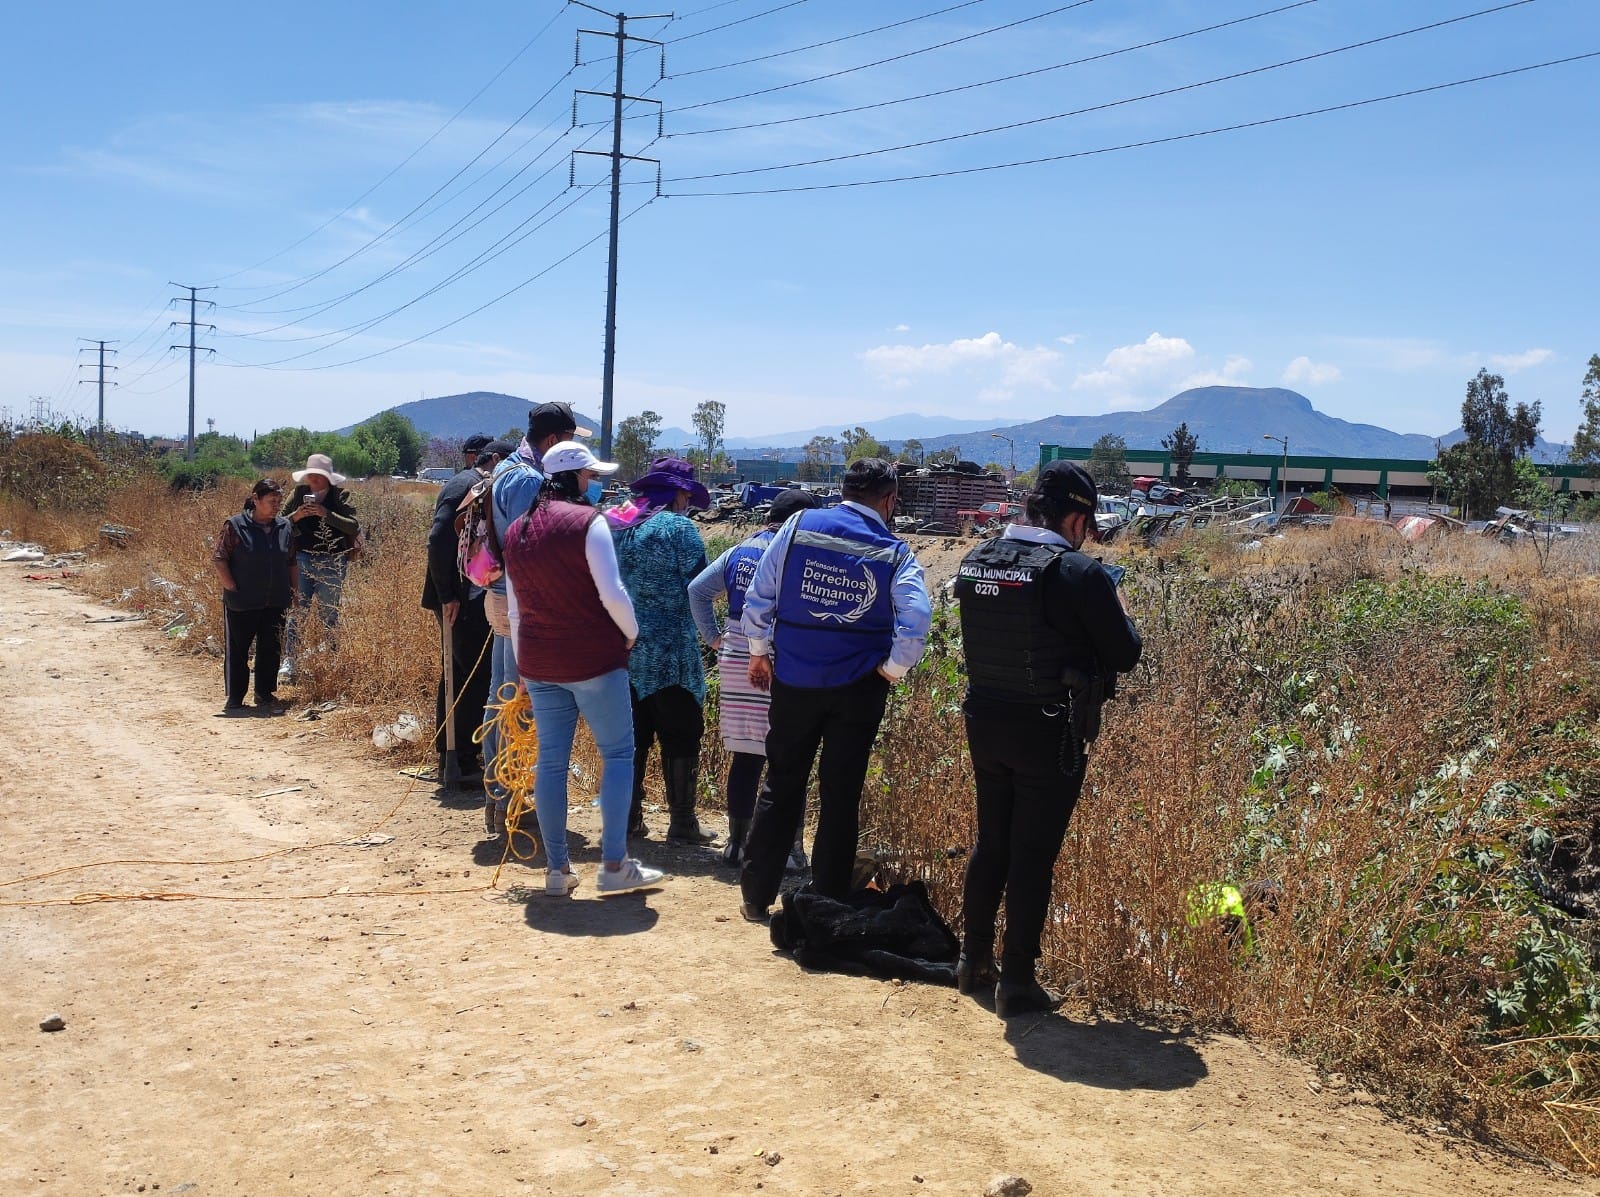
<point x="1381" y="728"/>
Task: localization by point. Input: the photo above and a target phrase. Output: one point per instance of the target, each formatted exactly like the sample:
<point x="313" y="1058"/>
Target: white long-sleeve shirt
<point x="600" y="551"/>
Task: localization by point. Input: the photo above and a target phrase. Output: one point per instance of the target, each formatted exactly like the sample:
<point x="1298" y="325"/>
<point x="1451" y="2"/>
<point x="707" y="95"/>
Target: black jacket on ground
<point x="894" y="933"/>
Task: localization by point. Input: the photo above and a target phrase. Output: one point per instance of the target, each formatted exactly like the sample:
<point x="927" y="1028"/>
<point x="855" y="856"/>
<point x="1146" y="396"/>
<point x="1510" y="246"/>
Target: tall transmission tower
<point x="190" y="324"/>
<point x="100" y="424"/>
<point x="617" y="96"/>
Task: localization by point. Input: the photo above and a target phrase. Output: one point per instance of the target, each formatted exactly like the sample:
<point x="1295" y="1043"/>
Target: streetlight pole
<point x="1283" y="472"/>
<point x="1013" y="445"/>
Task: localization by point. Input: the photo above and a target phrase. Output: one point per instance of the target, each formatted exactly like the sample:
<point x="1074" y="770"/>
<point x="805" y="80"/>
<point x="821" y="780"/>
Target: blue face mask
<point x="594" y="492"/>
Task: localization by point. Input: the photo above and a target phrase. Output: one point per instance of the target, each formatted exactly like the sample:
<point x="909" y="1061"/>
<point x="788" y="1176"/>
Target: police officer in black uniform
<point x="1045" y="636"/>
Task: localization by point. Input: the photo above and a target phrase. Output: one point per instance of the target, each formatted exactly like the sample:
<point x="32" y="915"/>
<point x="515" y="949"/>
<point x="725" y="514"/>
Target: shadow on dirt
<point x="591" y="917"/>
<point x="1106" y="1055"/>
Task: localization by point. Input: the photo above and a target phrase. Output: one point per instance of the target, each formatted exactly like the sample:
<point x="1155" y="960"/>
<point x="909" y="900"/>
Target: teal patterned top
<point x="659" y="557"/>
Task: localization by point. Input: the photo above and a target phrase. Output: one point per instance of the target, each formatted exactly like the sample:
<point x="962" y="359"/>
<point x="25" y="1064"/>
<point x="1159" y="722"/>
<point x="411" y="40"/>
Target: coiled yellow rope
<point x="511" y="771"/>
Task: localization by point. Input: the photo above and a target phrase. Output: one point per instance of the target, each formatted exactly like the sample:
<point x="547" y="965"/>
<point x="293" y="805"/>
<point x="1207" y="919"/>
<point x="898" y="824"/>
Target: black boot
<point x="1018" y="991"/>
<point x="975" y="972"/>
<point x="636" y="828"/>
<point x="682" y="773"/>
<point x="733" y="850"/>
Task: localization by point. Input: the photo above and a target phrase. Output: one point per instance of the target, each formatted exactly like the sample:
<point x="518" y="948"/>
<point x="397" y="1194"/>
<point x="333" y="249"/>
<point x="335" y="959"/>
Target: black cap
<point x="789" y="502"/>
<point x="554" y="419"/>
<point x="474" y="443"/>
<point x="500" y="449"/>
<point x="1069" y="483"/>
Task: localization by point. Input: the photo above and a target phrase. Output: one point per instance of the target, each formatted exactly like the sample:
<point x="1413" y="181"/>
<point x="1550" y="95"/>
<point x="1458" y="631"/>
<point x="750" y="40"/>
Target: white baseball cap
<point x="570" y="455"/>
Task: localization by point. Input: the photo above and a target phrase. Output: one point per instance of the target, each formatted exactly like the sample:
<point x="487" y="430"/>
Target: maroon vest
<point x="564" y="633"/>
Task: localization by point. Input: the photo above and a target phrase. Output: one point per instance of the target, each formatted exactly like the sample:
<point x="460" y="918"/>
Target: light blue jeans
<point x="322" y="578"/>
<point x="606" y="705"/>
<point x="502" y="672"/>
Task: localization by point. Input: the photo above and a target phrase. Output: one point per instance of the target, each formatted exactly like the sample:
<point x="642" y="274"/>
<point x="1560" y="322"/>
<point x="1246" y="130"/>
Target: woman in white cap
<point x="325" y="533"/>
<point x="573" y="626"/>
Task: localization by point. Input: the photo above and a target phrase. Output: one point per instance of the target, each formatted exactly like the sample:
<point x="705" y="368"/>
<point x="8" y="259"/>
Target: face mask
<point x="594" y="491"/>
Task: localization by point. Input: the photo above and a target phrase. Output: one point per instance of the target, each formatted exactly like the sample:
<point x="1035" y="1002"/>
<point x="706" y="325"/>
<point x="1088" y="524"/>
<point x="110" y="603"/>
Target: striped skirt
<point x="743" y="721"/>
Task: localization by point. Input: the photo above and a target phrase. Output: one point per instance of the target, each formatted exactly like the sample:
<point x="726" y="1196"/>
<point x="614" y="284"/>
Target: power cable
<point x="832" y="41"/>
<point x="741" y="21"/>
<point x="342" y="335"/>
<point x="708" y="8"/>
<point x="950" y="91"/>
<point x="1152" y="95"/>
<point x="545" y="28"/>
<point x="1154" y="141"/>
<point x="506" y="242"/>
<point x="480" y="308"/>
<point x="425" y="251"/>
<point x="766" y="91"/>
<point x="397" y="225"/>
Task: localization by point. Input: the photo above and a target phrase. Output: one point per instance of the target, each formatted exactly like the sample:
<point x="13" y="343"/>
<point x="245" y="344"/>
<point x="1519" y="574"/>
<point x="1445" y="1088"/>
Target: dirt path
<point x="425" y="1042"/>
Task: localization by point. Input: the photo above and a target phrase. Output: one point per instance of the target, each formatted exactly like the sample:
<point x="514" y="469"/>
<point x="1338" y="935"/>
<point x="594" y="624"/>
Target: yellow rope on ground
<point x="511" y="771"/>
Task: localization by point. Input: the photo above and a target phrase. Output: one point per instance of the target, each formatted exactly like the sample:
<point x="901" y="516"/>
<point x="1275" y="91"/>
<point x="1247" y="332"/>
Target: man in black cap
<point x="1045" y="635"/>
<point x="471" y="447"/>
<point x="459" y="605"/>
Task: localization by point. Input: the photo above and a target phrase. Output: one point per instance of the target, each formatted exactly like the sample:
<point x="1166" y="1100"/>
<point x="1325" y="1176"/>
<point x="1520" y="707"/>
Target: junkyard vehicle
<point x="988" y="515"/>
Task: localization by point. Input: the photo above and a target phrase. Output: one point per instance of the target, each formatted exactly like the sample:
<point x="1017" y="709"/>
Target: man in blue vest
<point x="836" y="613"/>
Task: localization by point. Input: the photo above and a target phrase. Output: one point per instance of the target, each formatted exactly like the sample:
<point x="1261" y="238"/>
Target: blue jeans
<point x="321" y="578"/>
<point x="502" y="672"/>
<point x="606" y="705"/>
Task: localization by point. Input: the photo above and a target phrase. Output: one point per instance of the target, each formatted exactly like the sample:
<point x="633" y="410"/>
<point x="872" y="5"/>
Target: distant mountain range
<point x="1223" y="420"/>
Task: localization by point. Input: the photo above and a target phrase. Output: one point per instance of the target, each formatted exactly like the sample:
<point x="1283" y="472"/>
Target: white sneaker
<point x="286" y="670"/>
<point x="558" y="884"/>
<point x="631" y="876"/>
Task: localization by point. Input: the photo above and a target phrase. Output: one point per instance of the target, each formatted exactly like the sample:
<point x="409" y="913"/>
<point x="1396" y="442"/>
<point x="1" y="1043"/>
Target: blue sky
<point x="300" y="157"/>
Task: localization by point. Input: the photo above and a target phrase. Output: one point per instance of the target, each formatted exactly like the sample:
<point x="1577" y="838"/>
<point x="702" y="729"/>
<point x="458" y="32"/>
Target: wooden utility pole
<point x="617" y="96"/>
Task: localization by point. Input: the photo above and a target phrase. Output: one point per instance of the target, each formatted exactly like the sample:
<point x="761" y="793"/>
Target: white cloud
<point x="1512" y="362"/>
<point x="901" y="328"/>
<point x="999" y="366"/>
<point x="1303" y="370"/>
<point x="1153" y="370"/>
<point x="1234" y="371"/>
<point x="1155" y="354"/>
<point x="1070" y="338"/>
<point x="1141" y="367"/>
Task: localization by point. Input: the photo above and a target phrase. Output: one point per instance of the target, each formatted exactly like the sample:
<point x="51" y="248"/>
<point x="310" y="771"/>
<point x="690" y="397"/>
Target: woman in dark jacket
<point x="254" y="558"/>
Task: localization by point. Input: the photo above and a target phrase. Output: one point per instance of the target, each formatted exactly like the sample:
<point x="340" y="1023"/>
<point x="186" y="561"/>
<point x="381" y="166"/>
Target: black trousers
<point x="263" y="629"/>
<point x="672" y="715"/>
<point x="843" y="722"/>
<point x="1029" y="773"/>
<point x="469" y="636"/>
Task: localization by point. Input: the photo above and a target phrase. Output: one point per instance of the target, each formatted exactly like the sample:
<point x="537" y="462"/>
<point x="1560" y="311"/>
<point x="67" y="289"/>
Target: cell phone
<point x="1114" y="572"/>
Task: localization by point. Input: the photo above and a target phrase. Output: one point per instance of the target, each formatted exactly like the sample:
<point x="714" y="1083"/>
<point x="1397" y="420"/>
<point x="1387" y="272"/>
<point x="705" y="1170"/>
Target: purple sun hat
<point x="667" y="476"/>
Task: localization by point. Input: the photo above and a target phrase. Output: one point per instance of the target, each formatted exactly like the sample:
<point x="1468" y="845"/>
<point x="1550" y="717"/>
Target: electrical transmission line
<point x="429" y="140"/>
<point x="1153" y="141"/>
<point x="1056" y="116"/>
<point x="956" y="41"/>
<point x="1044" y="70"/>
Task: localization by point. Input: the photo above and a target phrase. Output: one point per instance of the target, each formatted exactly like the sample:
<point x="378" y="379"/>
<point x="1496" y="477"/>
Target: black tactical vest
<point x="1012" y="652"/>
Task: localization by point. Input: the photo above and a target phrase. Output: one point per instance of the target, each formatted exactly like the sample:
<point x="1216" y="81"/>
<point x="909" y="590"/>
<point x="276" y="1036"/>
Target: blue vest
<point x="740" y="571"/>
<point x="835" y="616"/>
